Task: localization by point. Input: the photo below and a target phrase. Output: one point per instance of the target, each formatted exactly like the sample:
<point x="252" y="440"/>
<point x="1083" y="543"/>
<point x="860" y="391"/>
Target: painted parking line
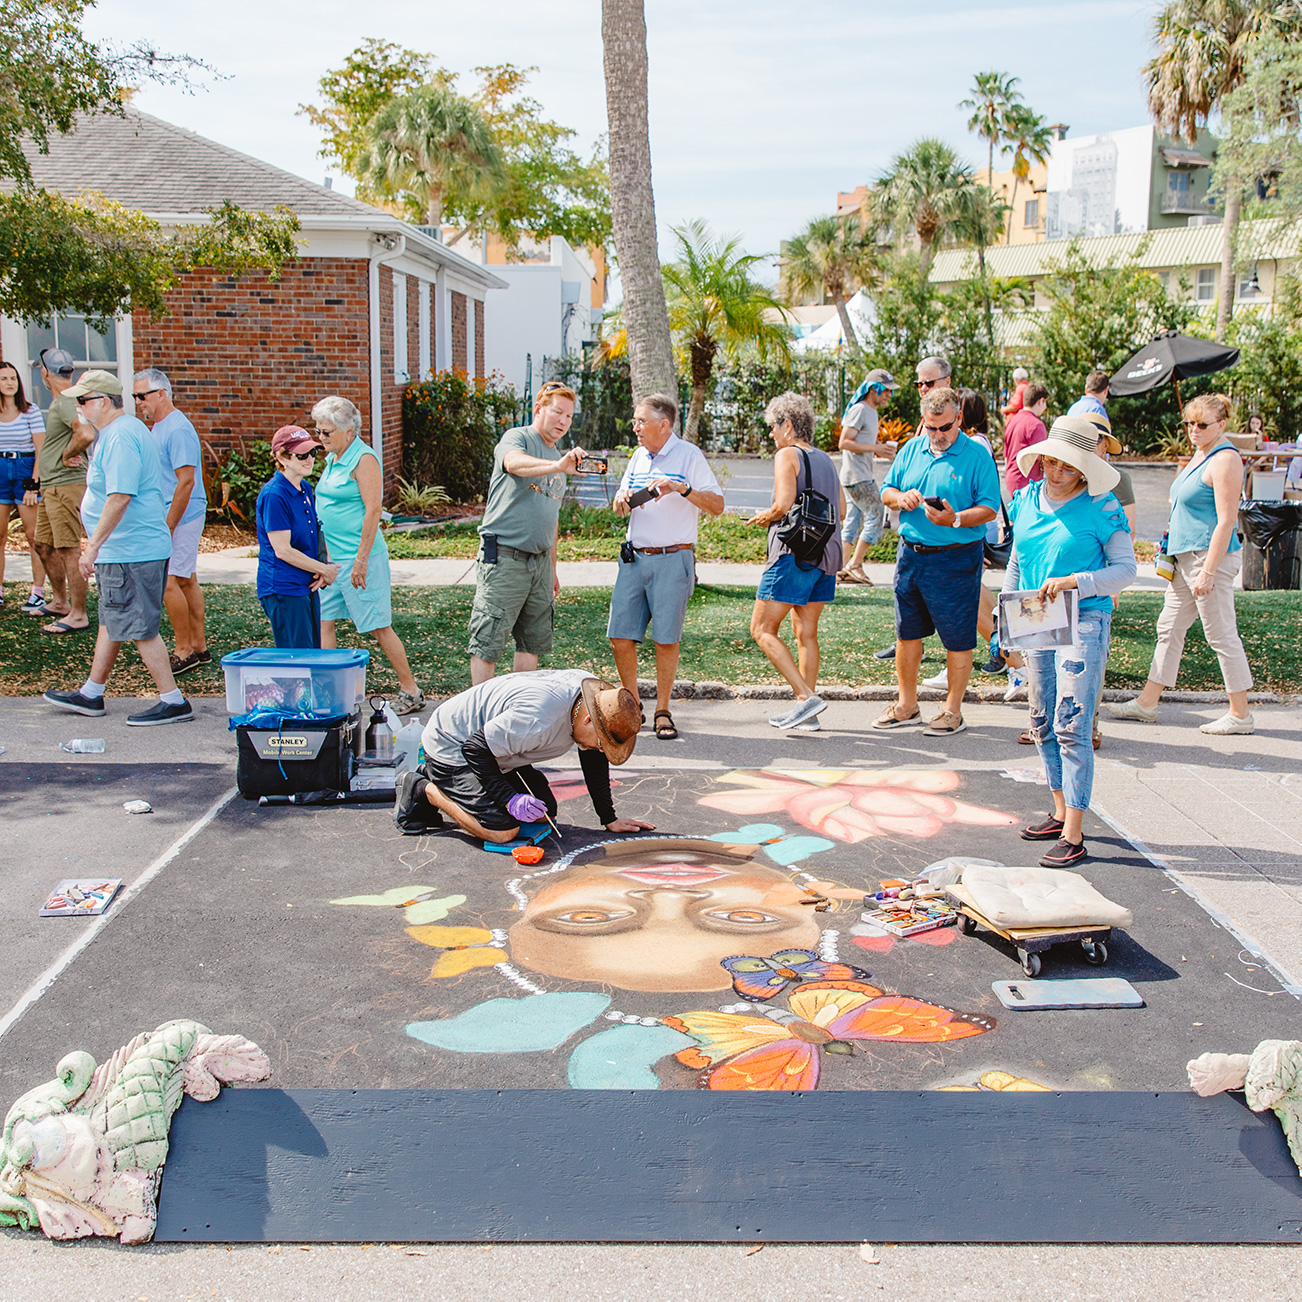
<point x="60" y="965"/>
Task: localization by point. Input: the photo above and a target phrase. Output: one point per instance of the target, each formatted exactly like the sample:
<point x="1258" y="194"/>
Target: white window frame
<point x="1205" y="280"/>
<point x="422" y="312"/>
<point x="14" y="344"/>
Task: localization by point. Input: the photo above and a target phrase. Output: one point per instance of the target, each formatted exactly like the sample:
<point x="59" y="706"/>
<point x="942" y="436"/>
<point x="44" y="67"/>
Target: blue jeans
<point x="1062" y="688"/>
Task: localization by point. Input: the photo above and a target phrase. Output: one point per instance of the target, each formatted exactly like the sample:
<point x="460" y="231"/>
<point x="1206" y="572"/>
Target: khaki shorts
<point x="513" y="598"/>
<point x="58" y="516"/>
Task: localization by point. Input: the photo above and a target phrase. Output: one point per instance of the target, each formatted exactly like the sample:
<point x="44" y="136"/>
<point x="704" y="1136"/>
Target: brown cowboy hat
<point x="615" y="714"/>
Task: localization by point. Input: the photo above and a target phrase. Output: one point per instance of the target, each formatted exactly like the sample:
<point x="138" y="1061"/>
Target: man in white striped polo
<point x="657" y="569"/>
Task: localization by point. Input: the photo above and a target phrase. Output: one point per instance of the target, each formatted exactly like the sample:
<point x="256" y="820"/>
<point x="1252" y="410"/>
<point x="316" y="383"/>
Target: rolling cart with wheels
<point x="1031" y="942"/>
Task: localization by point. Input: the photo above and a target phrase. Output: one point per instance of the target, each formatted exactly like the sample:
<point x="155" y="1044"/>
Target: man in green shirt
<point x="515" y="576"/>
<point x="61" y="469"/>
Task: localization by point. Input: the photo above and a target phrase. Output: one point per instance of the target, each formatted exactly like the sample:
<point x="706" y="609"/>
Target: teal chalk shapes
<point x="784" y="850"/>
<point x="622" y="1058"/>
<point x="796" y="848"/>
<point x="530" y="1025"/>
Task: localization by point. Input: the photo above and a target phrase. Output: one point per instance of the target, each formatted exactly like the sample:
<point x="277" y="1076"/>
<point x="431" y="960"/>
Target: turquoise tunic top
<point x="1193" y="508"/>
<point x="339" y="506"/>
<point x="1055" y="539"/>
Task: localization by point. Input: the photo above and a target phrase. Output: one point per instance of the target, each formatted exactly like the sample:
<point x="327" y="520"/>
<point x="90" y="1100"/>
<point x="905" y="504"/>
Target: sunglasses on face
<point x="89" y="397"/>
<point x="927" y="384"/>
<point x="940" y="429"/>
<point x="148" y="393"/>
<point x="1200" y="424"/>
<point x="303" y="456"/>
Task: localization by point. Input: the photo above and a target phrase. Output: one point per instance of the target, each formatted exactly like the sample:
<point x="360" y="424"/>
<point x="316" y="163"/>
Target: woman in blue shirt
<point x="292" y="563"/>
<point x="1069" y="534"/>
<point x="1202" y="541"/>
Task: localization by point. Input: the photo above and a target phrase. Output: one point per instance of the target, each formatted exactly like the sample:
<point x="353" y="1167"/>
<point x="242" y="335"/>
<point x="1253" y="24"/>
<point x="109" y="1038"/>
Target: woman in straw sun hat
<point x="1069" y="533"/>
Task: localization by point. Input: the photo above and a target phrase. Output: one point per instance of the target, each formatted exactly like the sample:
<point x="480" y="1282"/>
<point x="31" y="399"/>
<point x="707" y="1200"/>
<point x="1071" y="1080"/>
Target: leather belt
<point x="515" y="554"/>
<point x="664" y="551"/>
<point x="923" y="550"/>
<point x="17" y="456"/>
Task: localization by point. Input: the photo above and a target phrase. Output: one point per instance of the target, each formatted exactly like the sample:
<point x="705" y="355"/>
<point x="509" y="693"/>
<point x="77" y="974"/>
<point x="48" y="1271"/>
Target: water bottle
<point x="83" y="746"/>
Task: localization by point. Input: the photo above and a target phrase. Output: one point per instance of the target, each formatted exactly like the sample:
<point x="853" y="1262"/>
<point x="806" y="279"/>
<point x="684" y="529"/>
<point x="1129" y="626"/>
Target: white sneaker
<point x="801" y="713"/>
<point x="938" y="680"/>
<point x="1229" y="723"/>
<point x="1016" y="684"/>
<point x="1132" y="709"/>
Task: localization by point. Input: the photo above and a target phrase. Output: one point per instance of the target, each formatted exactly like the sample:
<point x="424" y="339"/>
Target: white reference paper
<point x="1027" y="622"/>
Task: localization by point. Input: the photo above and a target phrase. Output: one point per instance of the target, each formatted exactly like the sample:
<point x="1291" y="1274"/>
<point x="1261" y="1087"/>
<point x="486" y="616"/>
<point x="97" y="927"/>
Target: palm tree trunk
<point x="693" y="422"/>
<point x="846" y="328"/>
<point x="1230" y="224"/>
<point x="1012" y="207"/>
<point x="926" y="250"/>
<point x="434" y="209"/>
<point x="632" y="201"/>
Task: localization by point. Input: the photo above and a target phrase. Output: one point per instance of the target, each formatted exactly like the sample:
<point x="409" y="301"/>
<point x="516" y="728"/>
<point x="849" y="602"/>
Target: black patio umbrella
<point x="1170" y="358"/>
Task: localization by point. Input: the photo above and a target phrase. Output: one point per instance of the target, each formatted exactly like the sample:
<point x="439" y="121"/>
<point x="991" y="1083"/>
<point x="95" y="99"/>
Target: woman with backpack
<point x="804" y="554"/>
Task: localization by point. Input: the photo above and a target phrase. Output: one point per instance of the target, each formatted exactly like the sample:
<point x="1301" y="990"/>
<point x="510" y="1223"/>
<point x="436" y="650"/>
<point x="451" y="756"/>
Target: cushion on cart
<point x="1041" y="897"/>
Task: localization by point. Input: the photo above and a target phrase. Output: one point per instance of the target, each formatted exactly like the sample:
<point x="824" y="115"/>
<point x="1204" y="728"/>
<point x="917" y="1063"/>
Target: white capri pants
<point x="1216" y="610"/>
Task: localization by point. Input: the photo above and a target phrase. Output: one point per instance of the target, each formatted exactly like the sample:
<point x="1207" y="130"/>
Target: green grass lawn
<point x="716" y="642"/>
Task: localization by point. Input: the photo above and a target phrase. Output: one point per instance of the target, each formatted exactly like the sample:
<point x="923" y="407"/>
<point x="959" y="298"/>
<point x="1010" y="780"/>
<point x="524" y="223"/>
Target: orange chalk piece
<point x="527" y="854"/>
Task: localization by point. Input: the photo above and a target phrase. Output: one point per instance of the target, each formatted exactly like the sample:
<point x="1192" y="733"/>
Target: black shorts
<point x="463" y="788"/>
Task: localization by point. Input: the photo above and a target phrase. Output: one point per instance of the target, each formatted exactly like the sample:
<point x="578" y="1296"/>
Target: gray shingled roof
<point x="155" y="167"/>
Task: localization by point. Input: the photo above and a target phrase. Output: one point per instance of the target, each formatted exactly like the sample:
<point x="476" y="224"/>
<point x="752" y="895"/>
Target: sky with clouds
<point x="760" y="111"/>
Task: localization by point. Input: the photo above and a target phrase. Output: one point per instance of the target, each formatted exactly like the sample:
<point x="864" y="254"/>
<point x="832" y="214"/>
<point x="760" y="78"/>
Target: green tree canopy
<point x="927" y="191"/>
<point x="716" y="304"/>
<point x="89" y="255"/>
<point x="431" y="147"/>
<point x="832" y="257"/>
<point x="539" y="186"/>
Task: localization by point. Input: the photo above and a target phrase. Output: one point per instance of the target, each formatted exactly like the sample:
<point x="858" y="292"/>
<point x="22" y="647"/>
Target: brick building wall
<point x="481" y="367"/>
<point x="458" y="315"/>
<point x="248" y="356"/>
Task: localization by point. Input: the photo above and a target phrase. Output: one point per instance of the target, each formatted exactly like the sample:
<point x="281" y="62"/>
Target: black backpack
<point x="809" y="523"/>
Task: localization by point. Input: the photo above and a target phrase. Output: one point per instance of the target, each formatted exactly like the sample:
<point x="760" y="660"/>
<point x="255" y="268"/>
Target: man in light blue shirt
<point x="946" y="489"/>
<point x="127" y="552"/>
<point x="1095" y="401"/>
<point x="180" y="459"/>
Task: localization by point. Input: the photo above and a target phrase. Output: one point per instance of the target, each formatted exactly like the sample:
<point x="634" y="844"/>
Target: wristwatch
<point x="958" y="524"/>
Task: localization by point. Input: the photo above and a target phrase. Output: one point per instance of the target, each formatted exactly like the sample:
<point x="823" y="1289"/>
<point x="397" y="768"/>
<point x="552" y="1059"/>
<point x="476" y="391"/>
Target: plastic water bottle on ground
<point x="83" y="746"/>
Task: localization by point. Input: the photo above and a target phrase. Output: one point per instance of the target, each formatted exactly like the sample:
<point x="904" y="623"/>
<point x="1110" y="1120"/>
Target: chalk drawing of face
<point x="660" y="916"/>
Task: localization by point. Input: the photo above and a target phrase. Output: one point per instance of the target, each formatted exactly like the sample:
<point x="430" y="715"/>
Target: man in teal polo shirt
<point x="128" y="548"/>
<point x="946" y="489"/>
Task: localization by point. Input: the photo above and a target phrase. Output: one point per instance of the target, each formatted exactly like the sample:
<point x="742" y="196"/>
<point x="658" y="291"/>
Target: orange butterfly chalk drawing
<point x="735" y="1052"/>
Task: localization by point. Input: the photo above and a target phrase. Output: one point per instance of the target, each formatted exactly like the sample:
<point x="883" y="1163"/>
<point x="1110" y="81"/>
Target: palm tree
<point x="832" y="257"/>
<point x="427" y="145"/>
<point x="715" y="304"/>
<point x="1202" y="55"/>
<point x="1032" y="143"/>
<point x="993" y="99"/>
<point x="632" y="201"/>
<point x="926" y="191"/>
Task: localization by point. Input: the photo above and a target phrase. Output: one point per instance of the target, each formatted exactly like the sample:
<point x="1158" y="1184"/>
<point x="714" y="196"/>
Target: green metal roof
<point x="1181" y="246"/>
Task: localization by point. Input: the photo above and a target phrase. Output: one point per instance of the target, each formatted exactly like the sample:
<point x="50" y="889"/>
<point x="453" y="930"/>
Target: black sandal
<point x="665" y="731"/>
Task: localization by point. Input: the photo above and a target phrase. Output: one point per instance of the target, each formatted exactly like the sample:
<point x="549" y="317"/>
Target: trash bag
<point x="1270" y="545"/>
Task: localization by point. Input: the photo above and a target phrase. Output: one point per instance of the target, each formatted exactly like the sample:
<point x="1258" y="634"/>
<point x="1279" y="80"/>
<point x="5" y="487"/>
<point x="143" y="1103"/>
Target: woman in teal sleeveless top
<point x="349" y="500"/>
<point x="1202" y="541"/>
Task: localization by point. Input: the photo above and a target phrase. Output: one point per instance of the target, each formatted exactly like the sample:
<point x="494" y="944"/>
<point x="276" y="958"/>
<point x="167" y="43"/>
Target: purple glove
<point x="526" y="809"/>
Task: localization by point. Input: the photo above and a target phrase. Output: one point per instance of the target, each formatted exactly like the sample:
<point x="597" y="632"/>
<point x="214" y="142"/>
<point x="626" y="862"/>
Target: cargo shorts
<point x="513" y="598"/>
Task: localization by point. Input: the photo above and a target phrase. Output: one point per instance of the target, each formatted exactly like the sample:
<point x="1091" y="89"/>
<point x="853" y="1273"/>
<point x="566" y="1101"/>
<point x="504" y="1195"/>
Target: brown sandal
<point x="665" y="731"/>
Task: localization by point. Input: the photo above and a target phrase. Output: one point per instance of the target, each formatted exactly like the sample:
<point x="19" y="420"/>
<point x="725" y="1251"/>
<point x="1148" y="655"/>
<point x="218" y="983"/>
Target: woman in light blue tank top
<point x="1202" y="542"/>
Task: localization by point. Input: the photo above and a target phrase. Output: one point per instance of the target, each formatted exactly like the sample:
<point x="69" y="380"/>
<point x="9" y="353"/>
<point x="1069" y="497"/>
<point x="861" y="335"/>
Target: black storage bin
<point x="1270" y="545"/>
<point x="300" y="755"/>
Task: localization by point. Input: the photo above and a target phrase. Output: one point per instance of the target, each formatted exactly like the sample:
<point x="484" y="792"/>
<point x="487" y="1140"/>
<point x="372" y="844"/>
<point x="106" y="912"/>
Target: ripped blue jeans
<point x="1063" y="686"/>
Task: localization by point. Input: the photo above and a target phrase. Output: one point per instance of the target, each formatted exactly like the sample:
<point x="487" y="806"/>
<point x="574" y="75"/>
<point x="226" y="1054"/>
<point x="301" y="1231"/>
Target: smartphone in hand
<point x="936" y="503"/>
<point x="591" y="464"/>
<point x="642" y="497"/>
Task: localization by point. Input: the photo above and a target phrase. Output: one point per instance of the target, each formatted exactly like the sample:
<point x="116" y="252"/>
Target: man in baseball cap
<point x="859" y="444"/>
<point x="61" y="473"/>
<point x="127" y="551"/>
